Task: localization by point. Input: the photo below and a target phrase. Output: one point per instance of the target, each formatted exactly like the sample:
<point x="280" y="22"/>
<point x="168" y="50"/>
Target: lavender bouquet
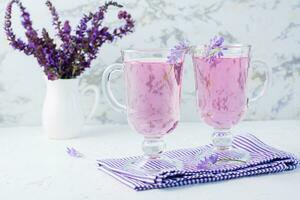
<point x="77" y="50"/>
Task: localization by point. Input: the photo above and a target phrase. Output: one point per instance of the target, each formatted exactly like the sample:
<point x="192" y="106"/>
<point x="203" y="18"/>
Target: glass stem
<point x="222" y="139"/>
<point x="153" y="147"/>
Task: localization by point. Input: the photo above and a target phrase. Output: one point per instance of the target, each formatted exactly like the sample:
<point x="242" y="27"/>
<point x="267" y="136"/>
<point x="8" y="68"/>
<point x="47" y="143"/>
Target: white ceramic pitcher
<point x="63" y="117"/>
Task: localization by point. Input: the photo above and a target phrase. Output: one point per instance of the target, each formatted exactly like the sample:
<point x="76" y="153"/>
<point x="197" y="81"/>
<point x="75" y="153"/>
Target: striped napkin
<point x="264" y="160"/>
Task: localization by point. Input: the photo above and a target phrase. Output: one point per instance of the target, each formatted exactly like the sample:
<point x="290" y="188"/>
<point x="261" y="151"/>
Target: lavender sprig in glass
<point x="214" y="49"/>
<point x="77" y="50"/>
<point x="178" y="51"/>
<point x="176" y="56"/>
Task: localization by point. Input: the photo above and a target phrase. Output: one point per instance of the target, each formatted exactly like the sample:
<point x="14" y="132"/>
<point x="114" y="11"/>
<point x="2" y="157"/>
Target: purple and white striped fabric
<point x="264" y="160"/>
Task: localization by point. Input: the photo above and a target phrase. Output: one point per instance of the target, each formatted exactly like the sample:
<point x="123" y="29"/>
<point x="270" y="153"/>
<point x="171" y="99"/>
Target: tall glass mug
<point x="221" y="90"/>
<point x="153" y="90"/>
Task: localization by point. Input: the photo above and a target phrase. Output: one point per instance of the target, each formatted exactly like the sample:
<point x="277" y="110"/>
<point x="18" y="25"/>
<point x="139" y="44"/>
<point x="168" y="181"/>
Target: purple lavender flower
<point x="55" y="17"/>
<point x="176" y="57"/>
<point x="214" y="49"/>
<point x="177" y="52"/>
<point x="77" y="51"/>
<point x="74" y="153"/>
<point x="15" y="42"/>
<point x="208" y="161"/>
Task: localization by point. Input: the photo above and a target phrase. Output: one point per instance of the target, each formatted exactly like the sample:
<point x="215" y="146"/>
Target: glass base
<point x="154" y="161"/>
<point x="153" y="166"/>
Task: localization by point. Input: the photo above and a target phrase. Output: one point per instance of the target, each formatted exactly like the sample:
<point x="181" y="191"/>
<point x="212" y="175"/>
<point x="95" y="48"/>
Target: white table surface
<point x="33" y="167"/>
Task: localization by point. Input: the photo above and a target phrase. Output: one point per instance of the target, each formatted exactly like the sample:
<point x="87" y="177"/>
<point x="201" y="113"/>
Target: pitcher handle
<point x="266" y="84"/>
<point x="96" y="100"/>
<point x="106" y="77"/>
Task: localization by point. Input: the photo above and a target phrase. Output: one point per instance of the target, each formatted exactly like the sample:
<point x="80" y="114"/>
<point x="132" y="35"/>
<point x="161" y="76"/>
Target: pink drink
<point x="153" y="95"/>
<point x="221" y="90"/>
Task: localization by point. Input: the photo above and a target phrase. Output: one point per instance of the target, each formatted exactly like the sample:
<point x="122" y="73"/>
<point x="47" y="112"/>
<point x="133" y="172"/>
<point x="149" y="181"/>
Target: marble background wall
<point x="271" y="26"/>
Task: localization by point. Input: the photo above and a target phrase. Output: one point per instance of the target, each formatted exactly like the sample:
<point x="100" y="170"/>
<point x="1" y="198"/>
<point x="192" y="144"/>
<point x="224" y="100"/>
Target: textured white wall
<point x="272" y="27"/>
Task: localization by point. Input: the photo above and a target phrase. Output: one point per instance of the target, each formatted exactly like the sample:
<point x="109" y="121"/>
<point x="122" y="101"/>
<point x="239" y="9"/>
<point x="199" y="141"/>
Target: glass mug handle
<point x="267" y="72"/>
<point x="106" y="77"/>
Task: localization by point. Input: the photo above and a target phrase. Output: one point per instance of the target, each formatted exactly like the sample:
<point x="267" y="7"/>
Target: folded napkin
<point x="264" y="160"/>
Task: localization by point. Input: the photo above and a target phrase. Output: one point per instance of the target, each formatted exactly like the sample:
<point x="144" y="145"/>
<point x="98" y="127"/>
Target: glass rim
<point x="150" y="50"/>
<point x="230" y="46"/>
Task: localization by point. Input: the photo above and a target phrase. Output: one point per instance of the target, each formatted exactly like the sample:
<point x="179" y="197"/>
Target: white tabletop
<point x="33" y="167"/>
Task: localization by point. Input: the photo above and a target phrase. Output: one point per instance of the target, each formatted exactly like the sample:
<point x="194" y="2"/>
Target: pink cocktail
<point x="221" y="90"/>
<point x="221" y="82"/>
<point x="153" y="95"/>
<point x="153" y="90"/>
